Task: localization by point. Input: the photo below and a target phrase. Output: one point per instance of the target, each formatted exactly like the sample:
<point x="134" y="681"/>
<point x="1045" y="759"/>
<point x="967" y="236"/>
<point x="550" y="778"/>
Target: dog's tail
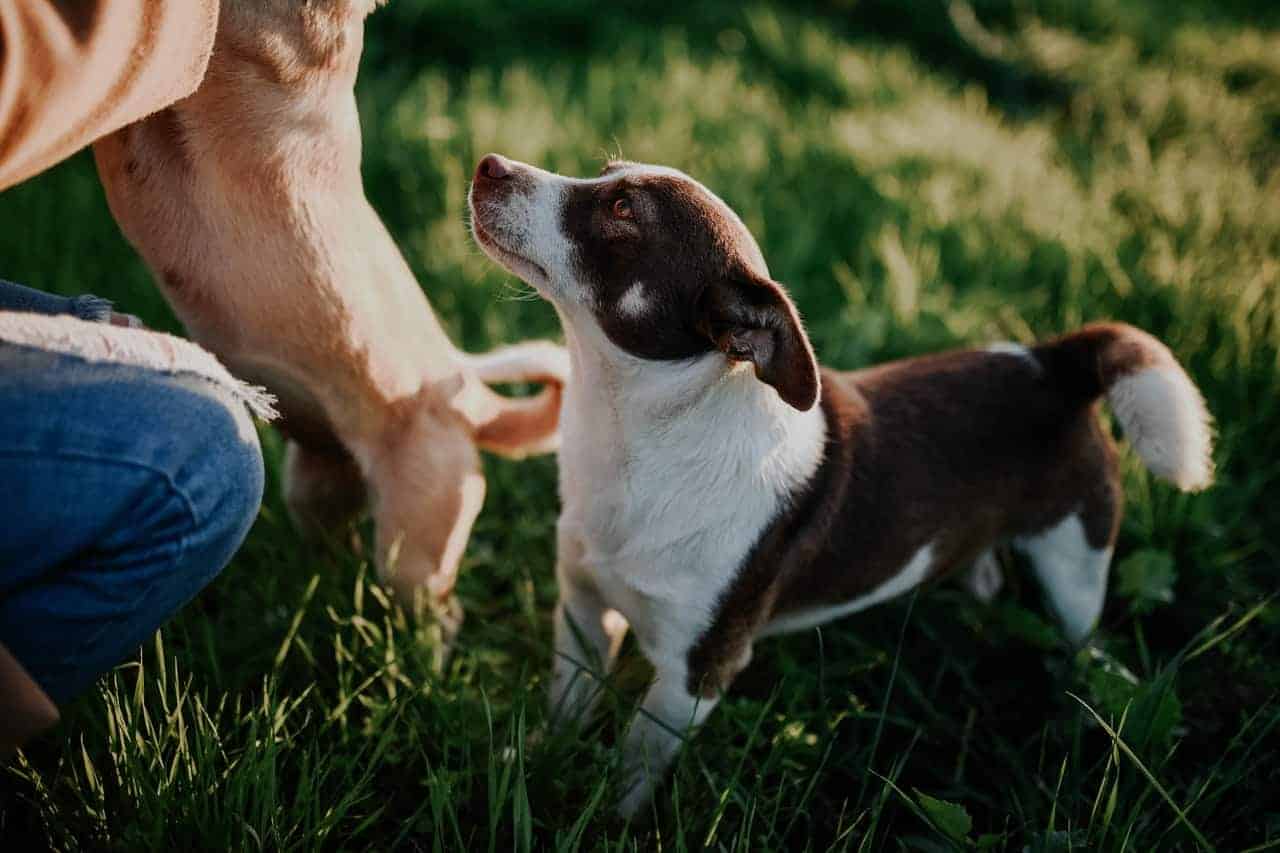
<point x="1160" y="410"/>
<point x="519" y="426"/>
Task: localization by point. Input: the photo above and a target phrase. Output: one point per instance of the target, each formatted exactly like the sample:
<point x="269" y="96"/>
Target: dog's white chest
<point x="664" y="516"/>
<point x="667" y="502"/>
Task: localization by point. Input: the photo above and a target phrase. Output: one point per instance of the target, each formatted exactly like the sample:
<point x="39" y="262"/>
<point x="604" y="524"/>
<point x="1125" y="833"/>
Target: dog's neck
<point x="686" y="443"/>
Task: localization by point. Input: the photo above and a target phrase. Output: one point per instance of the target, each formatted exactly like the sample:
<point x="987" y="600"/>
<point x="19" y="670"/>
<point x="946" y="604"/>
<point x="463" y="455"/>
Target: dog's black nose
<point x="494" y="167"/>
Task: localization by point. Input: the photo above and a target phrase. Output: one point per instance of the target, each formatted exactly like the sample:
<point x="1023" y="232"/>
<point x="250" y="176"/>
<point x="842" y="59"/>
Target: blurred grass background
<point x="921" y="175"/>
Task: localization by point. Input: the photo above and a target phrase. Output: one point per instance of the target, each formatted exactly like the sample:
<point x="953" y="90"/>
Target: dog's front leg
<point x="669" y="715"/>
<point x="587" y="637"/>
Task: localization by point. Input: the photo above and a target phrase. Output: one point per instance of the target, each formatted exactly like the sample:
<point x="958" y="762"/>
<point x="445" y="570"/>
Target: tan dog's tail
<point x="519" y="426"/>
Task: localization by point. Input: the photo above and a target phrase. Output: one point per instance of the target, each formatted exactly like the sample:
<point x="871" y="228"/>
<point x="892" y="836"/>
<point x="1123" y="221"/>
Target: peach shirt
<point x="74" y="70"/>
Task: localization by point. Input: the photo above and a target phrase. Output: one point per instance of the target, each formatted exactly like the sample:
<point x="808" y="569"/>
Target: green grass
<point x="1108" y="159"/>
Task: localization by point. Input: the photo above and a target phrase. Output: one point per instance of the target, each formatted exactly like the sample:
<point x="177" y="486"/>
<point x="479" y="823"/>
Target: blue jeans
<point x="124" y="492"/>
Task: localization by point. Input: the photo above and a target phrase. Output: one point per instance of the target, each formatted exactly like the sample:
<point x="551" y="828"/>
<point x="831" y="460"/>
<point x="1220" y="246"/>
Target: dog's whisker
<point x="517" y="291"/>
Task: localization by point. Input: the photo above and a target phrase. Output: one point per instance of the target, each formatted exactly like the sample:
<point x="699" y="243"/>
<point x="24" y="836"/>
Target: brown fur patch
<point x="674" y="245"/>
<point x="698" y="273"/>
<point x="962" y="450"/>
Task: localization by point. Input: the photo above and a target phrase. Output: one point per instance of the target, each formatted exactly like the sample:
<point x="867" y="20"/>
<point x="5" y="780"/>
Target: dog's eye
<point x="622" y="208"/>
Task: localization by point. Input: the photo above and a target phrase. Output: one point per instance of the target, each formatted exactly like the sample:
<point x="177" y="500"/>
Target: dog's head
<point x="652" y="257"/>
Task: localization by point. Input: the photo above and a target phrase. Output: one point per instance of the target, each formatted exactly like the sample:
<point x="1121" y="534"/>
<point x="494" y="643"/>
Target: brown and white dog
<point x="246" y="202"/>
<point x="719" y="487"/>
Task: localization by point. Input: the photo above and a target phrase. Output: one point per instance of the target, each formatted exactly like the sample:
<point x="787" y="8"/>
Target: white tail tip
<point x="1165" y="420"/>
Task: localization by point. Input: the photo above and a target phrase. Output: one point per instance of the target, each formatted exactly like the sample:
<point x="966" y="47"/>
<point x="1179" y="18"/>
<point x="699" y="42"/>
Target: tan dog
<point x="246" y="202"/>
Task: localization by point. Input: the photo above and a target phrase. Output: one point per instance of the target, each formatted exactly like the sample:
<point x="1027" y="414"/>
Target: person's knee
<point x="241" y="477"/>
<point x="153" y="487"/>
<point x="239" y="469"/>
<point x="222" y="477"/>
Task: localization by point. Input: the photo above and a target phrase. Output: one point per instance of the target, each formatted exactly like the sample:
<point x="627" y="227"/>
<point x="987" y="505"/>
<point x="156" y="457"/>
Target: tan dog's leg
<point x="323" y="489"/>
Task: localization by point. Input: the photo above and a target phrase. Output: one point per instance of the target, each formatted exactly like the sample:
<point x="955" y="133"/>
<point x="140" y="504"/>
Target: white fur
<point x="533" y="243"/>
<point x="635" y="301"/>
<point x="527" y="227"/>
<point x="1015" y="350"/>
<point x="1072" y="573"/>
<point x="915" y="572"/>
<point x="655" y="737"/>
<point x="985" y="578"/>
<point x="668" y="473"/>
<point x="667" y="498"/>
<point x="1165" y="420"/>
<point x="529" y="361"/>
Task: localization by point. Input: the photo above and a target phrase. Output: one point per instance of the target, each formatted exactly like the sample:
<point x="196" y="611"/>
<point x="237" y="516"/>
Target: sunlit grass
<point x="908" y="209"/>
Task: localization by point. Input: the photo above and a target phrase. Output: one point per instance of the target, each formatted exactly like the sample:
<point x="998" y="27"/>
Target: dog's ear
<point x="750" y="318"/>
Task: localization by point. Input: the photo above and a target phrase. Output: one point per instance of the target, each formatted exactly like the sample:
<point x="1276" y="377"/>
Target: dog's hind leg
<point x="323" y="489"/>
<point x="1072" y="572"/>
